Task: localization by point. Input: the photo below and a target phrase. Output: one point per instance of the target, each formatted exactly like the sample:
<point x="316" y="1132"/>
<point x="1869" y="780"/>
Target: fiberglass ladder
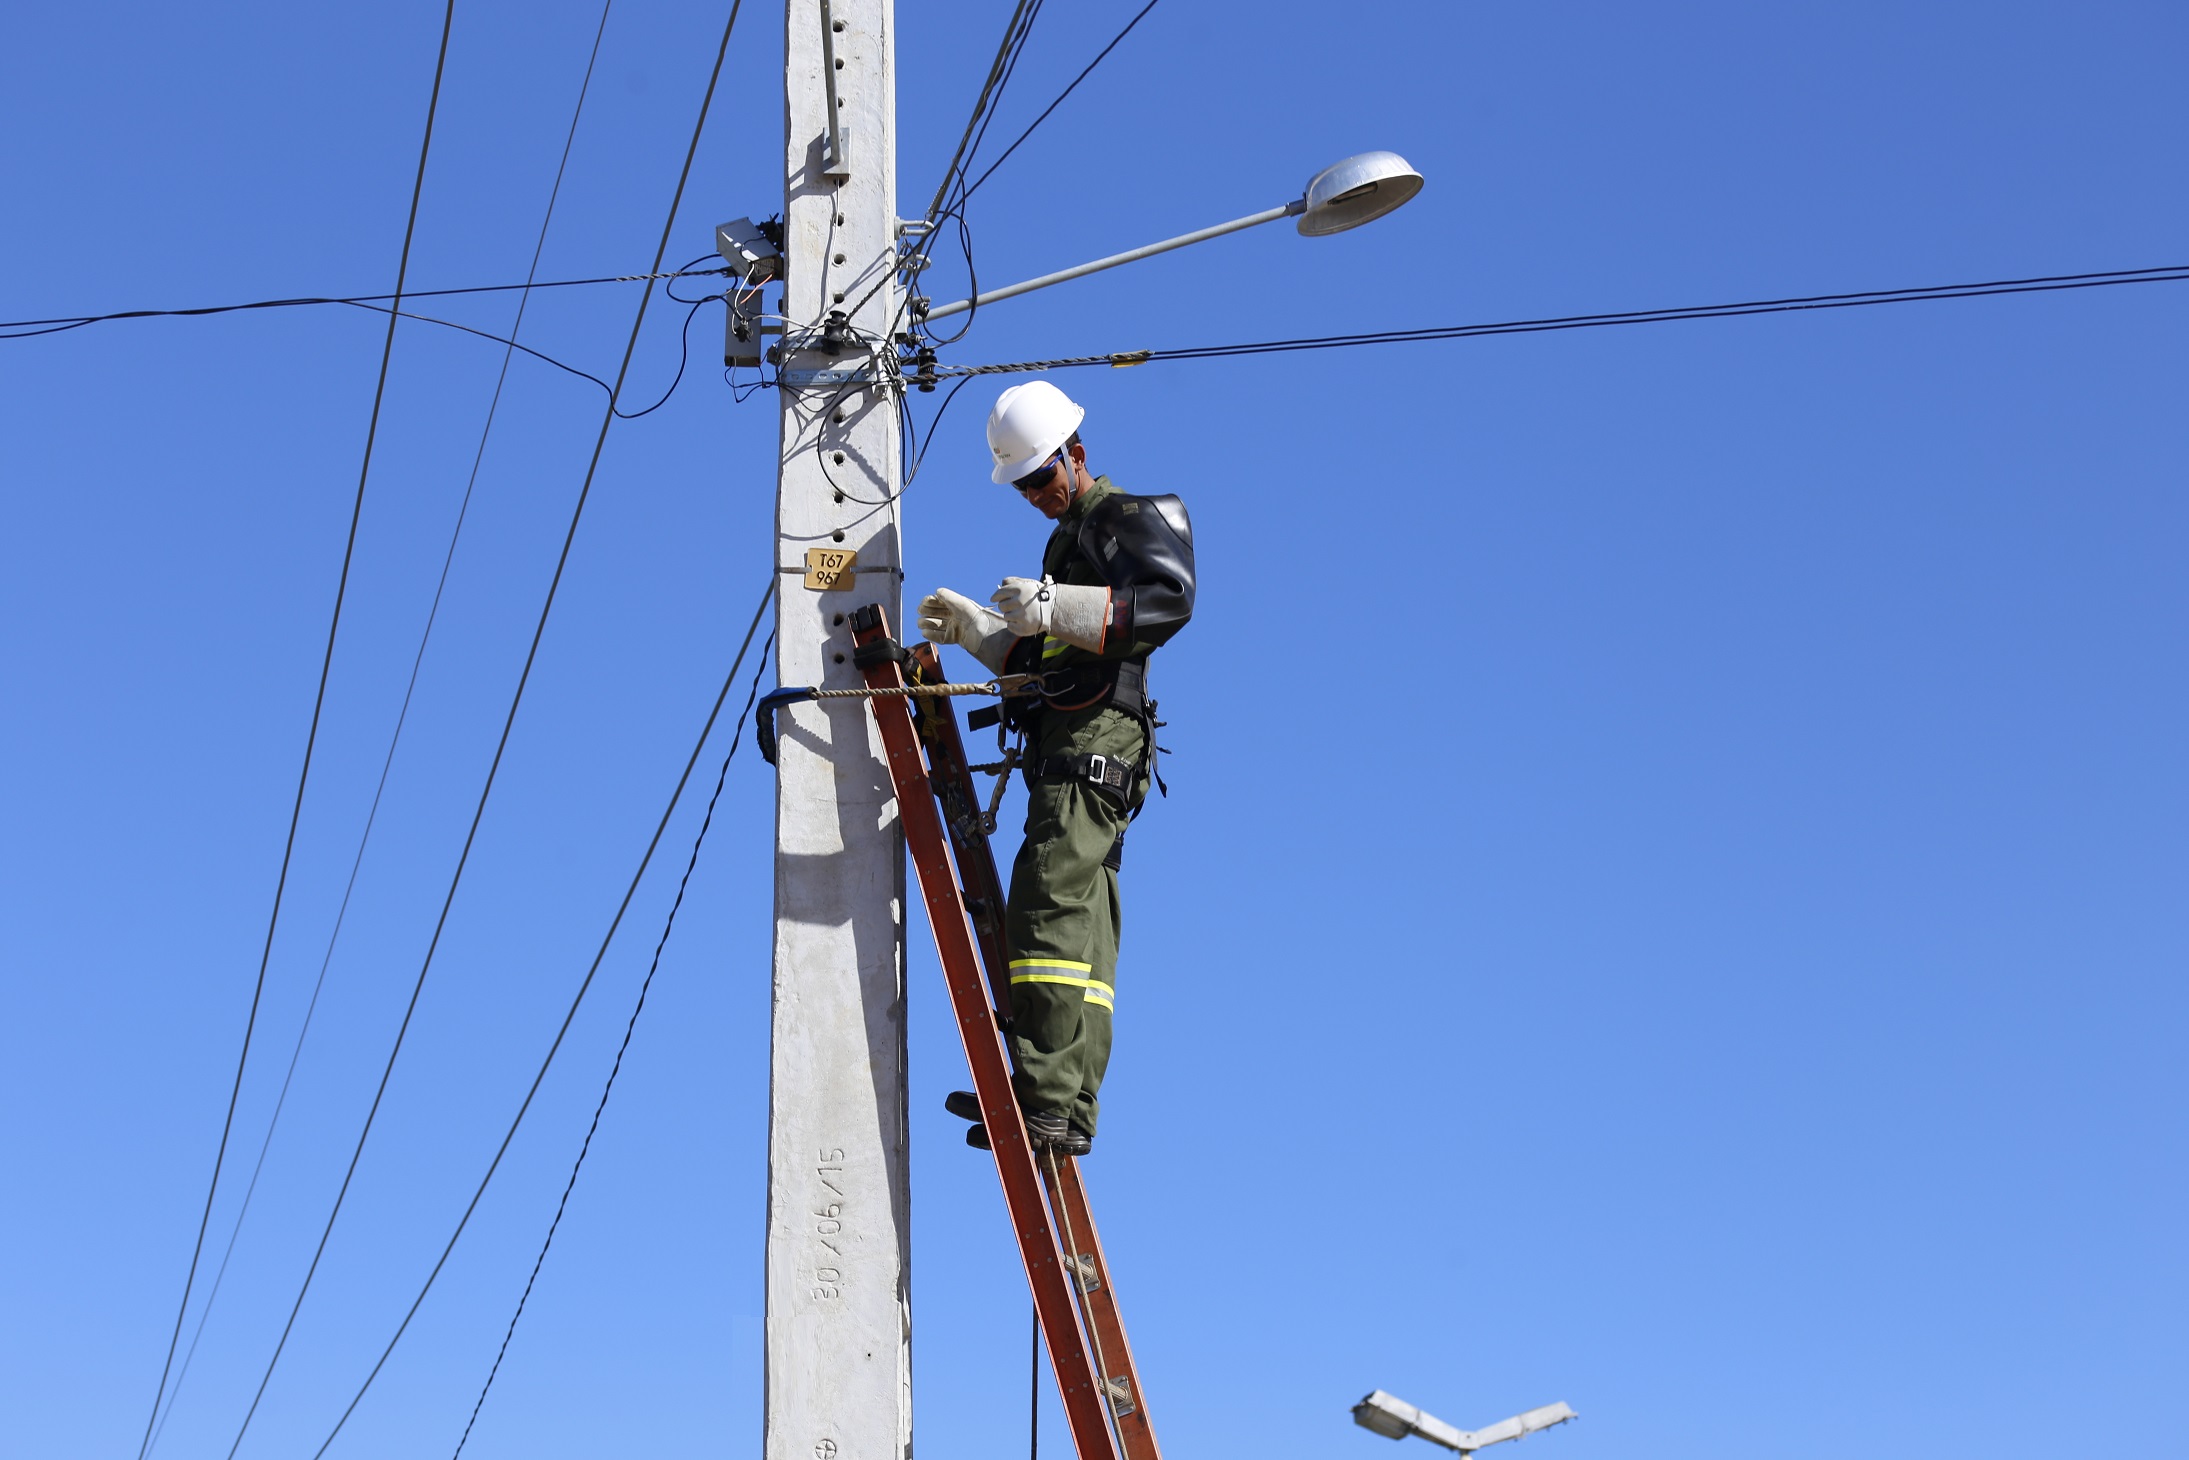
<point x="1074" y="1298"/>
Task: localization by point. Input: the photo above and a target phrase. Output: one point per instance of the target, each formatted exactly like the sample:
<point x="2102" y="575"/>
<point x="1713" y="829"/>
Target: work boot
<point x="963" y="1104"/>
<point x="1051" y="1129"/>
<point x="976" y="1136"/>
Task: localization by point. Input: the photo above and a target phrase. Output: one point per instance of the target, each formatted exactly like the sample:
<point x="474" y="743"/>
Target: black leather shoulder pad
<point x="1143" y="547"/>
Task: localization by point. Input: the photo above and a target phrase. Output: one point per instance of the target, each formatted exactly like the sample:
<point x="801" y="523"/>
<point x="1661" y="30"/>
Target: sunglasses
<point x="1039" y="477"/>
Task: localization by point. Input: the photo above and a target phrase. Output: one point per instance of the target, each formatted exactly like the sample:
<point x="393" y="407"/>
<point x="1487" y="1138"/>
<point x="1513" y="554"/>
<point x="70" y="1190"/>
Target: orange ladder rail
<point x="1083" y="1392"/>
<point x="949" y="772"/>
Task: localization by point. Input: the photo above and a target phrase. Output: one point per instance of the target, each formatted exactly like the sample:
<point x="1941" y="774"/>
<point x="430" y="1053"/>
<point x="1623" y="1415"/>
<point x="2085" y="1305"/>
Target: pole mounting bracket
<point x="835" y="141"/>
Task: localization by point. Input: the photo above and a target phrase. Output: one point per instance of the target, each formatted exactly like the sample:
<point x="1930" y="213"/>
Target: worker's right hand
<point x="952" y="618"/>
<point x="947" y="617"/>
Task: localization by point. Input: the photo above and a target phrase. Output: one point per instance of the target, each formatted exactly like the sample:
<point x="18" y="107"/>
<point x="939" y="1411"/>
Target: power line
<point x="914" y="262"/>
<point x="1015" y="35"/>
<point x="1052" y="106"/>
<point x="563" y="365"/>
<point x="1010" y="69"/>
<point x="311" y="739"/>
<point x="1012" y="38"/>
<point x="562" y="561"/>
<point x="630" y="891"/>
<point x="637" y="1008"/>
<point x="944" y="207"/>
<point x="31" y="328"/>
<point x="2044" y="284"/>
<point x="402" y="716"/>
<point x="365" y="302"/>
<point x="1013" y="45"/>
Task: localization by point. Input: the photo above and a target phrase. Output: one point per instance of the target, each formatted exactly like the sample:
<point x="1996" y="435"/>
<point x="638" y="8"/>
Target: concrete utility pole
<point x="839" y="1367"/>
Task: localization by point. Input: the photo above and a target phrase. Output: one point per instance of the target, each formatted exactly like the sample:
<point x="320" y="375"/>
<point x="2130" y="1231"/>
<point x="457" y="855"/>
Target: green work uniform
<point x="1062" y="918"/>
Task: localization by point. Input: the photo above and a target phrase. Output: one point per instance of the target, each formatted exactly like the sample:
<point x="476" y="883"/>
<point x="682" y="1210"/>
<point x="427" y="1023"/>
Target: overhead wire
<point x="638" y="1006"/>
<point x="402" y="718"/>
<point x="366" y="302"/>
<point x="996" y="71"/>
<point x="562" y="365"/>
<point x="608" y="419"/>
<point x="954" y="210"/>
<point x="1003" y="84"/>
<point x="1004" y="156"/>
<point x="907" y="269"/>
<point x="684" y="351"/>
<point x="577" y="1001"/>
<point x="1015" y="32"/>
<point x="1009" y="50"/>
<point x="2042" y="284"/>
<point x="915" y="450"/>
<point x="31" y="328"/>
<point x="311" y="739"/>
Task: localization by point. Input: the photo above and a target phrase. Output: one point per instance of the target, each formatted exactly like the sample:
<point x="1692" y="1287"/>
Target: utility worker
<point x="1116" y="582"/>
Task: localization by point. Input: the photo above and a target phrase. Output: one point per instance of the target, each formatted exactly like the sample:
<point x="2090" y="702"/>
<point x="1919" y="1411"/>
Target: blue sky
<point x="1672" y="893"/>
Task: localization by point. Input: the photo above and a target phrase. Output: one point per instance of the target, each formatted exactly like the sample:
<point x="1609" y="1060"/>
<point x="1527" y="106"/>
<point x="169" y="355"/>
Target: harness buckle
<point x="1098" y="769"/>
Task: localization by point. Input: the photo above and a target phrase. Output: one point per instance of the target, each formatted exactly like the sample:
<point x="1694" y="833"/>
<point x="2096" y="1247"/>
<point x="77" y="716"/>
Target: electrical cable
<point x="1052" y="106"/>
<point x="932" y="422"/>
<point x="577" y="1000"/>
<point x="688" y="272"/>
<point x="402" y="717"/>
<point x="27" y="328"/>
<point x="561" y="365"/>
<point x="2043" y="284"/>
<point x="910" y="266"/>
<point x="1015" y="34"/>
<point x="484" y="335"/>
<point x="913" y="450"/>
<point x="311" y="740"/>
<point x="684" y="357"/>
<point x="913" y="262"/>
<point x="600" y="443"/>
<point x="996" y="68"/>
<point x="1010" y="69"/>
<point x="684" y="354"/>
<point x="638" y="1007"/>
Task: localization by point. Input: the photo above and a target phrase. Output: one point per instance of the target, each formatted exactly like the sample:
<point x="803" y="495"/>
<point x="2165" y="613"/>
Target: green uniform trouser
<point x="1062" y="918"/>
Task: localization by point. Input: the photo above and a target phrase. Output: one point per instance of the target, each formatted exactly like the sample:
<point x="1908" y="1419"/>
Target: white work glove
<point x="1076" y="614"/>
<point x="952" y="618"/>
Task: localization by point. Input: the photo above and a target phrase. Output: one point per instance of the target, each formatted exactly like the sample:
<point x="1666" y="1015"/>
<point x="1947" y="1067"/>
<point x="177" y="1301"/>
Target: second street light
<point x="1343" y="195"/>
<point x="1395" y="1419"/>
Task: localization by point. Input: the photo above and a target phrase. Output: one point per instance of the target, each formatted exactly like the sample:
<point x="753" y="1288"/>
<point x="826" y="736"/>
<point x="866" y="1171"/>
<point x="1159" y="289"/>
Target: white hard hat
<point x="1028" y="425"/>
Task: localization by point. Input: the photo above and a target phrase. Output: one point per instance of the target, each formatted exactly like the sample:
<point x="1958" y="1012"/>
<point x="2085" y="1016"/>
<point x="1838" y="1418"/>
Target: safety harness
<point x="1118" y="684"/>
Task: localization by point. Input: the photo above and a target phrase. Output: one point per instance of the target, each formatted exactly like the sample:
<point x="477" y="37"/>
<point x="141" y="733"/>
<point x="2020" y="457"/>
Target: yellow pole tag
<point x="831" y="568"/>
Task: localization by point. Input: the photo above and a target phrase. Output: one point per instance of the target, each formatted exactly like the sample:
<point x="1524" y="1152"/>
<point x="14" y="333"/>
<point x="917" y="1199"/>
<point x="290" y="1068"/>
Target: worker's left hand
<point x="1076" y="613"/>
<point x="1024" y="604"/>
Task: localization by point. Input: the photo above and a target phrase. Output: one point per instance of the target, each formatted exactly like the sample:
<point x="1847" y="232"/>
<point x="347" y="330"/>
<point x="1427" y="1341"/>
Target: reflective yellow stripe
<point x="1095" y="990"/>
<point x="1051" y="647"/>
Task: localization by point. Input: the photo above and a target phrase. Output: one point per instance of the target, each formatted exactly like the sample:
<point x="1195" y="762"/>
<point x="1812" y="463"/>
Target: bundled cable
<point x="2043" y="284"/>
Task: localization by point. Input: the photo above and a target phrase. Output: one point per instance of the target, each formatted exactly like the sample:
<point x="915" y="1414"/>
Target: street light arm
<point x="1518" y="1425"/>
<point x="1268" y="215"/>
<point x="1394" y="1418"/>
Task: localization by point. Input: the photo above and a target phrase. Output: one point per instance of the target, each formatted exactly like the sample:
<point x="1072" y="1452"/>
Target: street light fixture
<point x="1395" y="1419"/>
<point x="1343" y="195"/>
